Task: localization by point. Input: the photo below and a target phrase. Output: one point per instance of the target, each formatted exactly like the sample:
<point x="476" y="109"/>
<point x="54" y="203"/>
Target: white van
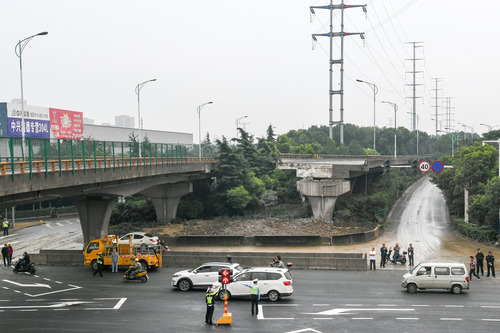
<point x="435" y="275"/>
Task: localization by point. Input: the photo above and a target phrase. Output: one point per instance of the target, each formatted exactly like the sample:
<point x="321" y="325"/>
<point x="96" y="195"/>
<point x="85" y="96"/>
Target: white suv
<point x="202" y="276"/>
<point x="274" y="283"/>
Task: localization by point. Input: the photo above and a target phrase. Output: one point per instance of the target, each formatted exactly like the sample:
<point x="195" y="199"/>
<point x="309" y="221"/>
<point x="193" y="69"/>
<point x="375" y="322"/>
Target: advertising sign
<point x="36" y="121"/>
<point x="3" y="119"/>
<point x="66" y="124"/>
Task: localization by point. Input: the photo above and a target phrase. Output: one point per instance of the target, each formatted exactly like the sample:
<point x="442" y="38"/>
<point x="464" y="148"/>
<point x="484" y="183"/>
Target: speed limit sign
<point x="424" y="166"/>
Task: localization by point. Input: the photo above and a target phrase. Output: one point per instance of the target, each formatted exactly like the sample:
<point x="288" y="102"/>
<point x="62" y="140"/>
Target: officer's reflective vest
<point x="99" y="261"/>
<point x="255" y="289"/>
<point x="210" y="298"/>
<point x="5" y="224"/>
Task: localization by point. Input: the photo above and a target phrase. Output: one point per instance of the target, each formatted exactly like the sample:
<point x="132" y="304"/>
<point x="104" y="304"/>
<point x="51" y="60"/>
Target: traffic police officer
<point x="100" y="263"/>
<point x="490" y="263"/>
<point x="209" y="299"/>
<point x="254" y="295"/>
<point x="5" y="225"/>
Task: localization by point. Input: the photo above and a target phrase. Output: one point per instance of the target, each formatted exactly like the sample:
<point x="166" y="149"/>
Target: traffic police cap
<point x="255" y="280"/>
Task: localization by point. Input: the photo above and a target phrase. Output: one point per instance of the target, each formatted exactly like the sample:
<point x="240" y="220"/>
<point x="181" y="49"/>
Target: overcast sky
<point x="251" y="58"/>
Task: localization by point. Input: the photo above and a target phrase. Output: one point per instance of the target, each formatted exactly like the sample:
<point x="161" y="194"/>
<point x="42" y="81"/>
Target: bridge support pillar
<point x="322" y="195"/>
<point x="94" y="213"/>
<point x="166" y="198"/>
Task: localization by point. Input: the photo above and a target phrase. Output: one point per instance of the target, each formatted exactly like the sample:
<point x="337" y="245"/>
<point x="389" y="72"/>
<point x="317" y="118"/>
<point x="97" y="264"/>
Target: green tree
<point x="238" y="198"/>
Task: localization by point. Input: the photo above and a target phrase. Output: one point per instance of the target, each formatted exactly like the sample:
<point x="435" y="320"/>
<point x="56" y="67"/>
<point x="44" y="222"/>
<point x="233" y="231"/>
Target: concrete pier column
<point x="166" y="198"/>
<point x="322" y="195"/>
<point x="94" y="213"/>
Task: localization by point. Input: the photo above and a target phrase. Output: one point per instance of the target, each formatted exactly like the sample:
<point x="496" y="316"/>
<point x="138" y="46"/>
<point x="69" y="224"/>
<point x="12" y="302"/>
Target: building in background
<point x="125" y="121"/>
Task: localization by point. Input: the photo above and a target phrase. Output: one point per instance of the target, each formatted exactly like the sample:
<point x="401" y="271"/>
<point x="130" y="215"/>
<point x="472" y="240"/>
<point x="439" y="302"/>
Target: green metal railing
<point x="58" y="155"/>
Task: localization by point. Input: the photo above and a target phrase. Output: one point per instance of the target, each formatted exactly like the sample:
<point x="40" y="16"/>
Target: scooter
<point x="401" y="259"/>
<point x="27" y="268"/>
<point x="142" y="276"/>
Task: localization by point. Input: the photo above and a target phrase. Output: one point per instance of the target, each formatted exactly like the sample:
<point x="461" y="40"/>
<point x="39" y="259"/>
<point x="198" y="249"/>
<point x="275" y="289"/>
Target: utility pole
<point x="340" y="61"/>
<point x="414" y="84"/>
<point x="436" y="98"/>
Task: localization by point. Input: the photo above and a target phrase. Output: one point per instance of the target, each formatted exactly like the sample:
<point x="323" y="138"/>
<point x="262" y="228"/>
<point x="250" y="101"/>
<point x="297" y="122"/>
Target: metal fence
<point x="58" y="155"/>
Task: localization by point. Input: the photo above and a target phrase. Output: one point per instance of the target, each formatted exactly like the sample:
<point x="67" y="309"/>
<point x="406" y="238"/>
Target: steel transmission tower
<point x="437" y="80"/>
<point x="414" y="85"/>
<point x="340" y="61"/>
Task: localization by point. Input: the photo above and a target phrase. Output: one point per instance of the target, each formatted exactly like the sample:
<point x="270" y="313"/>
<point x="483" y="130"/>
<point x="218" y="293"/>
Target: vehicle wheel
<point x="15" y="271"/>
<point x="125" y="279"/>
<point x="32" y="270"/>
<point x="144" y="279"/>
<point x="93" y="265"/>
<point x="144" y="264"/>
<point x="273" y="295"/>
<point x="144" y="247"/>
<point x="184" y="285"/>
<point x="403" y="262"/>
<point x="222" y="293"/>
<point x="456" y="289"/>
<point x="411" y="288"/>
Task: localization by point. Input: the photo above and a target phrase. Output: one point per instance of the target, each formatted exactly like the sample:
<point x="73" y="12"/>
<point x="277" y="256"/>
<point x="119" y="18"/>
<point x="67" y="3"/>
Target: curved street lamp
<point x="395" y="106"/>
<point x="19" y="52"/>
<point x="375" y="91"/>
<point x="199" y="126"/>
<point x="238" y="124"/>
<point x="138" y="92"/>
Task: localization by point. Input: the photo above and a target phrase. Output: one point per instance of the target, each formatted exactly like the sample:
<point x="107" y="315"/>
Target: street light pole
<point x="138" y="92"/>
<point x="394" y="105"/>
<point x="19" y="52"/>
<point x="375" y="91"/>
<point x="237" y="124"/>
<point x="199" y="125"/>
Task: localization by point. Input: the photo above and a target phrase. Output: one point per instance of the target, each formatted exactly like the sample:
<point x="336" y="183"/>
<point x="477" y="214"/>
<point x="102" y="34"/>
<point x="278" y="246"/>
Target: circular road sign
<point x="437" y="166"/>
<point x="424" y="166"/>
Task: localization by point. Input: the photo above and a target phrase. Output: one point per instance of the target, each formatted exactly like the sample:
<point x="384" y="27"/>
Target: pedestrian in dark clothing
<point x="383" y="254"/>
<point x="5" y="255"/>
<point x="479" y="262"/>
<point x="410" y="255"/>
<point x="209" y="299"/>
<point x="490" y="263"/>
<point x="100" y="263"/>
<point x="472" y="271"/>
<point x="11" y="252"/>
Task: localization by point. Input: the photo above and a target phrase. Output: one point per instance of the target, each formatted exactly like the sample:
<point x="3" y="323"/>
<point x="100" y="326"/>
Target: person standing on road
<point x="396" y="253"/>
<point x="5" y="226"/>
<point x="372" y="255"/>
<point x="383" y="254"/>
<point x="5" y="255"/>
<point x="279" y="262"/>
<point x="479" y="262"/>
<point x="490" y="263"/>
<point x="11" y="252"/>
<point x="410" y="255"/>
<point x="209" y="299"/>
<point x="114" y="261"/>
<point x="472" y="271"/>
<point x="254" y="294"/>
<point x="100" y="263"/>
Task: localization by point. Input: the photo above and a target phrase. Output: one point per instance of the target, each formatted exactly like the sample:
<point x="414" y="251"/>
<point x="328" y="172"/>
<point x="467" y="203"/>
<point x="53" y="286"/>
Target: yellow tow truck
<point x="150" y="258"/>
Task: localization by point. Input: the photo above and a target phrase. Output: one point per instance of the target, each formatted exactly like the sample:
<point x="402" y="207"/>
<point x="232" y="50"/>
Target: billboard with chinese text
<point x="66" y="124"/>
<point x="36" y="121"/>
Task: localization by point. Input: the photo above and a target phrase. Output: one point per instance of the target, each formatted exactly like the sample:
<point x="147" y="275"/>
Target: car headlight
<point x="176" y="275"/>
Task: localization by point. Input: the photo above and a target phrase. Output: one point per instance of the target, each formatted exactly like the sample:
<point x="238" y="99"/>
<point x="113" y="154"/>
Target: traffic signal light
<point x="414" y="167"/>
<point x="387" y="167"/>
<point x="225" y="275"/>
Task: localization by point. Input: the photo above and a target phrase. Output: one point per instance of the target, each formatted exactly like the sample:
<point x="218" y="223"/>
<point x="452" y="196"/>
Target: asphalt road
<point x="71" y="299"/>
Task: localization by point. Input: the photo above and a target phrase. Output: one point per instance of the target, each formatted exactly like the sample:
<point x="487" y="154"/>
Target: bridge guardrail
<point x="45" y="155"/>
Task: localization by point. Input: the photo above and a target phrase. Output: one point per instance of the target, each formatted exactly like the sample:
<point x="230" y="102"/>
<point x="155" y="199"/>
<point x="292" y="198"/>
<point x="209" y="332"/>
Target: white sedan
<point x="140" y="239"/>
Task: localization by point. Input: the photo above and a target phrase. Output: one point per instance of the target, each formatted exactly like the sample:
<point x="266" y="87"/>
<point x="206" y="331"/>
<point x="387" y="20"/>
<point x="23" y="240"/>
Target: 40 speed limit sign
<point x="424" y="166"/>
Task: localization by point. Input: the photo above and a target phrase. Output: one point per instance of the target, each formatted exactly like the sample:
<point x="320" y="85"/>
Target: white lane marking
<point x="386" y="304"/>
<point x="57" y="291"/>
<point x="29" y="310"/>
<point x="58" y="282"/>
<point x="4" y="300"/>
<point x="415" y="305"/>
<point x="5" y="288"/>
<point x="61" y="309"/>
<point x="304" y="330"/>
<point x="453" y="306"/>
<point x="69" y="299"/>
<point x="120" y="303"/>
<point x="323" y="318"/>
<point x="116" y="307"/>
<point x="57" y="305"/>
<point x="321" y="304"/>
<point x="261" y="313"/>
<point x="362" y="318"/>
<point x="340" y="311"/>
<point x="409" y="318"/>
<point x="353" y="304"/>
<point x="450" y="318"/>
<point x="490" y="306"/>
<point x="47" y="279"/>
<point x="17" y="291"/>
<point x="35" y="300"/>
<point x="486" y="319"/>
<point x="48" y="225"/>
<point x="268" y="305"/>
<point x="28" y="285"/>
<point x="59" y="224"/>
<point x="35" y="275"/>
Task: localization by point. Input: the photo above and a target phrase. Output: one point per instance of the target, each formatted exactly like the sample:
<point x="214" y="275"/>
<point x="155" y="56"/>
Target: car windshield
<point x="415" y="269"/>
<point x="149" y="235"/>
<point x="238" y="268"/>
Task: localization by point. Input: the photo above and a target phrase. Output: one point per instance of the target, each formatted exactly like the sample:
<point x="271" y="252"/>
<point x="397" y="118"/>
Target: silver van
<point x="436" y="275"/>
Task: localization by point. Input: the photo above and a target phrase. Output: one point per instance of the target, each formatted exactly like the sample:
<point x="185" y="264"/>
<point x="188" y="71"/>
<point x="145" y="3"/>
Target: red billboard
<point x="66" y="124"/>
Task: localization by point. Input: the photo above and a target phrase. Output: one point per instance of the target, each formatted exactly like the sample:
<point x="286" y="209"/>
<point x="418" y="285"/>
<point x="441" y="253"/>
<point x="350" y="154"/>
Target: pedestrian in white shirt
<point x="372" y="254"/>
